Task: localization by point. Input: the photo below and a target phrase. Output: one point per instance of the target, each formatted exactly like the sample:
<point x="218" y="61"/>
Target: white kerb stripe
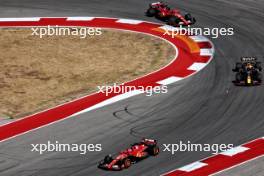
<point x="169" y="80"/>
<point x="206" y="52"/>
<point x="262" y="137"/>
<point x="197" y="66"/>
<point x="19" y="19"/>
<point x="111" y="100"/>
<point x="80" y="18"/>
<point x="234" y="151"/>
<point x="128" y="21"/>
<point x="199" y="38"/>
<point x="192" y="167"/>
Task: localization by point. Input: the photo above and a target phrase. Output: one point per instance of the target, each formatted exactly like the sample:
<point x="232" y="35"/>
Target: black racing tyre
<point x="259" y="77"/>
<point x="238" y="66"/>
<point x="107" y="159"/>
<point x="188" y="16"/>
<point x="258" y="66"/>
<point x="173" y="21"/>
<point x="193" y="20"/>
<point x="127" y="163"/>
<point x="151" y="12"/>
<point x="239" y="77"/>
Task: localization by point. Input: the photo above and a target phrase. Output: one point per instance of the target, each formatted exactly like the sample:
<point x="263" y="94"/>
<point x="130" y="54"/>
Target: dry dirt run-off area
<point x="39" y="73"/>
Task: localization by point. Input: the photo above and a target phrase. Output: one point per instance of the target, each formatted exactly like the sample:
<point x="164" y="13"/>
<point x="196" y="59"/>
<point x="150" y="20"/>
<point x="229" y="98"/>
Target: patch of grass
<point x="36" y="74"/>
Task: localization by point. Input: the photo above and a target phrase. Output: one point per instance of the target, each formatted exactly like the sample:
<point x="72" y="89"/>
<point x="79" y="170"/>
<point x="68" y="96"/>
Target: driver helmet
<point x="249" y="65"/>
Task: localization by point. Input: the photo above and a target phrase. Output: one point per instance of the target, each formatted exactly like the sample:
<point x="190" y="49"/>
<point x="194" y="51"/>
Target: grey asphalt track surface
<point x="205" y="108"/>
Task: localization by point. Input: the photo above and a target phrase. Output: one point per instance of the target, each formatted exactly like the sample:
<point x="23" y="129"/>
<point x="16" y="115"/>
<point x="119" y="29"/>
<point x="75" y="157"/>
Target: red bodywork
<point x="134" y="153"/>
<point x="165" y="12"/>
<point x="137" y="151"/>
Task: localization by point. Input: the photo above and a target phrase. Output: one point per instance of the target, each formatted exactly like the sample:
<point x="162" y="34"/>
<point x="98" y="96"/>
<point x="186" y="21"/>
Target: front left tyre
<point x="127" y="163"/>
<point x="151" y="12"/>
<point x="239" y="77"/>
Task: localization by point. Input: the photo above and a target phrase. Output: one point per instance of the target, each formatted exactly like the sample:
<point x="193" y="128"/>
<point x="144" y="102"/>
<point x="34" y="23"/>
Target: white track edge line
<point x="234" y="151"/>
<point x="169" y="80"/>
<point x="80" y="18"/>
<point x="110" y="101"/>
<point x="19" y="19"/>
<point x="193" y="166"/>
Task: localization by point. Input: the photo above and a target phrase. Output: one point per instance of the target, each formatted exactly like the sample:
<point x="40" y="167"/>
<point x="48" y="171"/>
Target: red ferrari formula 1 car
<point x="172" y="16"/>
<point x="137" y="152"/>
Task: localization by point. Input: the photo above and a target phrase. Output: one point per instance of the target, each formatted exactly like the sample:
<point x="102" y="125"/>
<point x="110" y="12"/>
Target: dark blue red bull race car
<point x="248" y="72"/>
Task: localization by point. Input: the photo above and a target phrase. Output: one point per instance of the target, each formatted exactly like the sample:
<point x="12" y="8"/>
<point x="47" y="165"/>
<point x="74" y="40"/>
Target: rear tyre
<point x="188" y="16"/>
<point x="193" y="20"/>
<point x="259" y="77"/>
<point x="151" y="12"/>
<point x="127" y="163"/>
